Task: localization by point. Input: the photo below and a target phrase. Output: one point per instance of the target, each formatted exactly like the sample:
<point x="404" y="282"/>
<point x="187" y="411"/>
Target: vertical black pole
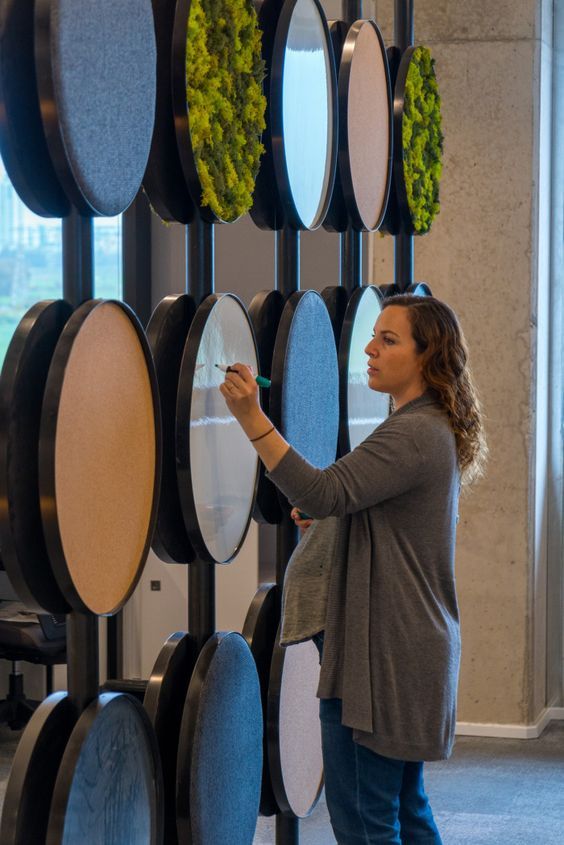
<point x="82" y="628"/>
<point x="82" y="658"/>
<point x="136" y="257"/>
<point x="287" y="282"/>
<point x="78" y="258"/>
<point x="403" y="245"/>
<point x="200" y="282"/>
<point x="200" y="259"/>
<point x="350" y="241"/>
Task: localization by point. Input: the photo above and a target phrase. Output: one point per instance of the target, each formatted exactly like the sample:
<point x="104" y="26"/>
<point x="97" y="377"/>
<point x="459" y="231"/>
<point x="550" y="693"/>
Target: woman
<point x="391" y="648"/>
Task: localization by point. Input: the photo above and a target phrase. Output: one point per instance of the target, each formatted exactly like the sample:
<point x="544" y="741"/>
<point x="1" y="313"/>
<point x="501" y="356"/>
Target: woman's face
<point x="394" y="365"/>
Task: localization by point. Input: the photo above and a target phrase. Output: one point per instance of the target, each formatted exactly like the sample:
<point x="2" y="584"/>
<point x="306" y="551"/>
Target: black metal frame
<point x="22" y="139"/>
<point x="260" y="629"/>
<point x="47" y="444"/>
<point x="22" y="386"/>
<point x="164" y="179"/>
<point x="167" y="331"/>
<point x="265" y="311"/>
<point x="29" y="791"/>
<point x="164" y="703"/>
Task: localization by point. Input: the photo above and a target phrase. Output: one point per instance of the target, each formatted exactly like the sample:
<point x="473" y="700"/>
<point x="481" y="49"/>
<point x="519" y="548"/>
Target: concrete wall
<point x="488" y="256"/>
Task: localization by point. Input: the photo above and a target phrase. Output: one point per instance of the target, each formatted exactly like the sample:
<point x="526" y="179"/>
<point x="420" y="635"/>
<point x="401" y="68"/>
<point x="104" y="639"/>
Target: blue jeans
<point x="371" y="798"/>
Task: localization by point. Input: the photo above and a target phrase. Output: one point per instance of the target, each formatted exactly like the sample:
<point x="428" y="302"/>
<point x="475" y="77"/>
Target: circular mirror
<point x="362" y="409"/>
<point x="304" y="113"/>
<point x="217" y="466"/>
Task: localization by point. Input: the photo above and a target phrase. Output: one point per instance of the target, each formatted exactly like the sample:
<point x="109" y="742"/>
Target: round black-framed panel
<point x="265" y="311"/>
<point x="297" y="173"/>
<point x="399" y="217"/>
<point x="22" y="386"/>
<point x="217" y="466"/>
<point x="336" y="299"/>
<point x="260" y="629"/>
<point x="293" y="728"/>
<point x="27" y="800"/>
<point x="183" y="30"/>
<point x="164" y="702"/>
<point x="97" y="105"/>
<point x="100" y="456"/>
<point x="365" y="159"/>
<point x="109" y="787"/>
<point x="420" y="289"/>
<point x="304" y="397"/>
<point x="22" y="139"/>
<point x="164" y="181"/>
<point x="167" y="331"/>
<point x="220" y="748"/>
<point x="362" y="409"/>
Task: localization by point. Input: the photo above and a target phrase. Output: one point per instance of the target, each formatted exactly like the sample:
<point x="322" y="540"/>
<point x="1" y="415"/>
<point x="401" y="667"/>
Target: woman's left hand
<point x="241" y="392"/>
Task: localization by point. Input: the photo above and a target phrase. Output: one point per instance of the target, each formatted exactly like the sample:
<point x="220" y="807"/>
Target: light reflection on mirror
<point x="222" y="461"/>
<point x="366" y="408"/>
<point x="307" y="112"/>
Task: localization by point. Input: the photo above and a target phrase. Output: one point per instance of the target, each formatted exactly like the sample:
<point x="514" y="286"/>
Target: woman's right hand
<point x="303" y="524"/>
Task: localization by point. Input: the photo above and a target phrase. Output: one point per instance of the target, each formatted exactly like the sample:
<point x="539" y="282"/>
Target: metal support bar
<point x="78" y="258"/>
<point x="136" y="257"/>
<point x="200" y="259"/>
<point x="201" y="600"/>
<point x="352" y="10"/>
<point x="114" y="647"/>
<point x="200" y="282"/>
<point x="287" y="830"/>
<point x="351" y="259"/>
<point x="82" y="658"/>
<point x="403" y="248"/>
<point x="287" y="268"/>
<point x="403" y="24"/>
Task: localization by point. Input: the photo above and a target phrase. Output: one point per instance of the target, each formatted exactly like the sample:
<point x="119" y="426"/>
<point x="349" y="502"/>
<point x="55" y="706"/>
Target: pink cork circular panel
<point x="368" y="119"/>
<point x="301" y="763"/>
<point x="105" y="461"/>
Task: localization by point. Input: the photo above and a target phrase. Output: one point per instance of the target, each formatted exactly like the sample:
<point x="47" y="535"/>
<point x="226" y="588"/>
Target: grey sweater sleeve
<point x="385" y="465"/>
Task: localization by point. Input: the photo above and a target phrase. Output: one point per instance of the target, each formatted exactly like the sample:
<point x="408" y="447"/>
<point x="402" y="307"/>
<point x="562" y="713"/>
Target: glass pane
<point x="30" y="260"/>
<point x="107" y="258"/>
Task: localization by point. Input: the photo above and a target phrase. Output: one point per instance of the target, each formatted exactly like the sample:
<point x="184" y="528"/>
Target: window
<point x="30" y="260"/>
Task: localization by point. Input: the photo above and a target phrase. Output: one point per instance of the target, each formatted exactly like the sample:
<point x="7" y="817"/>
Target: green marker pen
<point x="260" y="380"/>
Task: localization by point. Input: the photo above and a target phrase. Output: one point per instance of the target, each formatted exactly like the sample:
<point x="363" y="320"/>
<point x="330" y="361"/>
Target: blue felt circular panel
<point x="103" y="60"/>
<point x="310" y="389"/>
<point x="108" y="787"/>
<point x="223" y="726"/>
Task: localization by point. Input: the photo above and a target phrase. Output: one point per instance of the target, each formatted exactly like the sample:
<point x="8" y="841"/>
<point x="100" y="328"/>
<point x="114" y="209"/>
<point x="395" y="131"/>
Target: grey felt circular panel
<point x="103" y="60"/>
<point x="222" y="738"/>
<point x="108" y="787"/>
<point x="310" y="390"/>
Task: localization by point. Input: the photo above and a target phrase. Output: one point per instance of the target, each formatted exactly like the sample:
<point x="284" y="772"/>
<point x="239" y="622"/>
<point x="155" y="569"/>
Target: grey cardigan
<point x="392" y="643"/>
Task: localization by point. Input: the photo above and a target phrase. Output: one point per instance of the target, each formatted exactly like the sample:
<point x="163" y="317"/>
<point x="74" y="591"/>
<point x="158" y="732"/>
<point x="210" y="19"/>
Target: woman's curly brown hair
<point x="439" y="338"/>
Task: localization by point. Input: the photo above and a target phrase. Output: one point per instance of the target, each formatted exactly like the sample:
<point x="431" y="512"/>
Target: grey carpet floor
<point x="491" y="792"/>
